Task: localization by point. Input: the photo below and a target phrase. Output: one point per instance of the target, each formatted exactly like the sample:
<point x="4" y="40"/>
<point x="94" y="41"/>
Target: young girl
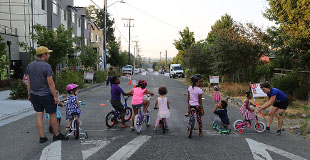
<point x="195" y="99"/>
<point x="217" y="95"/>
<point x="58" y="114"/>
<point x="137" y="100"/>
<point x="73" y="104"/>
<point x="162" y="104"/>
<point x="246" y="111"/>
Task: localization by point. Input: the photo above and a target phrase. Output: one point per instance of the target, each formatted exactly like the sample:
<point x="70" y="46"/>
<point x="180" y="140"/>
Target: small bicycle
<point x="162" y="124"/>
<point x="220" y="130"/>
<point x="139" y="118"/>
<point x="240" y="125"/>
<point x="114" y="116"/>
<point x="191" y="122"/>
<point x="75" y="129"/>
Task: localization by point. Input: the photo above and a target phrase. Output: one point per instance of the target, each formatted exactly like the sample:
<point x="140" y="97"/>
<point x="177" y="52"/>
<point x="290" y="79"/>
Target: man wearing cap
<point x="41" y="92"/>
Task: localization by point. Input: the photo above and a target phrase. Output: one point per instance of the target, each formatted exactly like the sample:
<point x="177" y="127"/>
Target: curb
<point x="89" y="88"/>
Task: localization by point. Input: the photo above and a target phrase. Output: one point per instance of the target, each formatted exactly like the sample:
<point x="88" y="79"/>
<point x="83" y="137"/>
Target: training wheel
<point x="240" y="130"/>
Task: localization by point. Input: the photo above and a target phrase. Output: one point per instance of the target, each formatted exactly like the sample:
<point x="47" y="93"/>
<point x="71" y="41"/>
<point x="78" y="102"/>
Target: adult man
<point x="41" y="92"/>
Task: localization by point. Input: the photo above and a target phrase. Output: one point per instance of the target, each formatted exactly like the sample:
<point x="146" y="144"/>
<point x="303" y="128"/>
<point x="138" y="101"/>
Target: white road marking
<point x="92" y="146"/>
<point x="16" y="117"/>
<point x="259" y="151"/>
<point x="52" y="151"/>
<point x="131" y="147"/>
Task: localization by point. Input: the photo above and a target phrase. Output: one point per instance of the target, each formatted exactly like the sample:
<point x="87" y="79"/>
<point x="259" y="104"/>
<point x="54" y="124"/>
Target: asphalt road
<point x="20" y="140"/>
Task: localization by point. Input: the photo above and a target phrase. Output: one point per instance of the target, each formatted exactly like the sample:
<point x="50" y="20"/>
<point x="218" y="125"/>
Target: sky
<point x="157" y="23"/>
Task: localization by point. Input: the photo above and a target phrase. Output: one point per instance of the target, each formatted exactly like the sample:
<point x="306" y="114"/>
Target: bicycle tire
<point x="147" y="120"/>
<point x="191" y="124"/>
<point x="76" y="129"/>
<point x="110" y="119"/>
<point x="128" y="114"/>
<point x="137" y="123"/>
<point x="260" y="127"/>
<point x="163" y="126"/>
<point x="236" y="123"/>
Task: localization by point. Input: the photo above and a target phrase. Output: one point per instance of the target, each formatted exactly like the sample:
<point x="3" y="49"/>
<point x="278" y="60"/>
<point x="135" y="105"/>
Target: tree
<point x="293" y="18"/>
<point x="187" y="39"/>
<point x="3" y="59"/>
<point x="97" y="15"/>
<point x="114" y="54"/>
<point x="89" y="58"/>
<point x="59" y="41"/>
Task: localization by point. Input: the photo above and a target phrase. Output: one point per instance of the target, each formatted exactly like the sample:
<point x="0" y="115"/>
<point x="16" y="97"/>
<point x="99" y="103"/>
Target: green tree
<point x="89" y="58"/>
<point x="114" y="54"/>
<point x="187" y="39"/>
<point x="293" y="18"/>
<point x="3" y="59"/>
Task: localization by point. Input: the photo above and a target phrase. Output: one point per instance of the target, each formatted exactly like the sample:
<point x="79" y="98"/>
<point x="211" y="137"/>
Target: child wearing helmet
<point x="73" y="104"/>
<point x="194" y="99"/>
<point x="137" y="100"/>
<point x="246" y="111"/>
<point x="216" y="95"/>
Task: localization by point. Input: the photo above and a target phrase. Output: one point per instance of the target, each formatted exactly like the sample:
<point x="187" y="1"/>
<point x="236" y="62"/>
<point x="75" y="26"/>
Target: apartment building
<point x="18" y="17"/>
<point x="96" y="41"/>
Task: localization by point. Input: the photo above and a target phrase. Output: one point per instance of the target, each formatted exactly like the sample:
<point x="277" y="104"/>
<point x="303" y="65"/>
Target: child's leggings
<point x="157" y="122"/>
<point x="198" y="113"/>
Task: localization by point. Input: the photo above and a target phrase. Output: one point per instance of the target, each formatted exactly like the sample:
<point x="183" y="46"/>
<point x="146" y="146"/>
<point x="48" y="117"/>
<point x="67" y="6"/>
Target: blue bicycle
<point x="139" y="118"/>
<point x="114" y="117"/>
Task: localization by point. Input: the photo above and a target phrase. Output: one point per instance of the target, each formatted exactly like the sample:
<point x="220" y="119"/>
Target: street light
<point x="105" y="31"/>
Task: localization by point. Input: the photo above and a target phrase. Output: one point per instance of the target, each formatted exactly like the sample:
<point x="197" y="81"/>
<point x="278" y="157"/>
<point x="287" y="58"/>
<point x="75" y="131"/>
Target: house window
<point x="73" y="17"/>
<point x="85" y="42"/>
<point x="65" y="15"/>
<point x="91" y="37"/>
<point x="79" y="21"/>
<point x="99" y="39"/>
<point x="55" y="7"/>
<point x="85" y="24"/>
<point x="96" y="38"/>
<point x="43" y="4"/>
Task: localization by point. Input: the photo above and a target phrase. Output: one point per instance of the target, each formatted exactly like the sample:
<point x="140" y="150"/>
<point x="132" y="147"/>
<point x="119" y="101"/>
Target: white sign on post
<point x="143" y="73"/>
<point x="88" y="76"/>
<point x="214" y="79"/>
<point x="257" y="91"/>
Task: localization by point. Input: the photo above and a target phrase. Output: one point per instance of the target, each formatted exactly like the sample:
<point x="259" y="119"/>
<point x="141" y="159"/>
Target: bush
<point x="100" y="76"/>
<point x="6" y="83"/>
<point x="302" y="92"/>
<point x="66" y="77"/>
<point x="18" y="90"/>
<point x="287" y="83"/>
<point x="234" y="89"/>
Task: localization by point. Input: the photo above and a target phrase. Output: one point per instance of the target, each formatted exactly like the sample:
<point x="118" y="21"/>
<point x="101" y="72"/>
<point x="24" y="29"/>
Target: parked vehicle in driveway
<point x="176" y="71"/>
<point x="128" y="69"/>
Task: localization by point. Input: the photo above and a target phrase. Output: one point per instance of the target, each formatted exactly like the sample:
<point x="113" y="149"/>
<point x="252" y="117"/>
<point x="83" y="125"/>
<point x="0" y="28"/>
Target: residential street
<point x="20" y="139"/>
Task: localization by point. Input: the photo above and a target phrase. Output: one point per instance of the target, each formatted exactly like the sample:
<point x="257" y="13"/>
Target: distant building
<point x="96" y="41"/>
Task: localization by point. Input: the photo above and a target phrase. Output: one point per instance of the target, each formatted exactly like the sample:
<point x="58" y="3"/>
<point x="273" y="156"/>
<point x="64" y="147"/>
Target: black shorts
<point x="281" y="105"/>
<point x="117" y="105"/>
<point x="41" y="103"/>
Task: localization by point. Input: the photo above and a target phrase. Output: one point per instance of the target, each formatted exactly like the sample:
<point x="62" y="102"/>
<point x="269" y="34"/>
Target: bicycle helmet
<point x="71" y="87"/>
<point x="195" y="78"/>
<point x="248" y="93"/>
<point x="142" y="83"/>
<point x="216" y="87"/>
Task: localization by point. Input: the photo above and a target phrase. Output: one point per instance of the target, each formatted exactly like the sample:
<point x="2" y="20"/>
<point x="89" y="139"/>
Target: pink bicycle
<point x="240" y="125"/>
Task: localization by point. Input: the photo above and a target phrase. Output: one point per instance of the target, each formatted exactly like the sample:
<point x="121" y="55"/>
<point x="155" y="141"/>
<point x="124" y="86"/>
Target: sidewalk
<point x="12" y="110"/>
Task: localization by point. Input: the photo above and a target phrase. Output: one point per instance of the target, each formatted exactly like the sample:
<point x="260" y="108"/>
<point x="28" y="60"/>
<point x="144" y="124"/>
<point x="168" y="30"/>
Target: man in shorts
<point x="41" y="92"/>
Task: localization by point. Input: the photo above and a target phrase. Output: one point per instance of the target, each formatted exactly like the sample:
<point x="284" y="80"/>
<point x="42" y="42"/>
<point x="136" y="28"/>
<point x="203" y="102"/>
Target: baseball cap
<point x="42" y="49"/>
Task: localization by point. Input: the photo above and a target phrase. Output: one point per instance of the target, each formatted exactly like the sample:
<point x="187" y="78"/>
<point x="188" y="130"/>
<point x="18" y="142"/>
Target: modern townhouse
<point x="18" y="16"/>
<point x="96" y="41"/>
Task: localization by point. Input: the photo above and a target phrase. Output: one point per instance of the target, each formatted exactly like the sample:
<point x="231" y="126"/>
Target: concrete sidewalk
<point x="12" y="110"/>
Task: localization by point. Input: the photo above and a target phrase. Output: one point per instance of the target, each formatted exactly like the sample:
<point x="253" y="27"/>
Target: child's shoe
<point x="132" y="128"/>
<point x="279" y="132"/>
<point x="155" y="129"/>
<point x="186" y="114"/>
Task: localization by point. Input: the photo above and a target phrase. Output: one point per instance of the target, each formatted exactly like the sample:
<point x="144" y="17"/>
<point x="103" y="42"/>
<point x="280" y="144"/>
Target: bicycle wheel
<point x="147" y="120"/>
<point x="191" y="124"/>
<point x="138" y="123"/>
<point x="260" y="127"/>
<point x="76" y="129"/>
<point x="237" y="126"/>
<point x="128" y="114"/>
<point x="163" y="125"/>
<point x="110" y="119"/>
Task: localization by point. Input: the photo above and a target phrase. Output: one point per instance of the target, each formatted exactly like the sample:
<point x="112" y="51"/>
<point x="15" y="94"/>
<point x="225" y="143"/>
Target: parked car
<point x="176" y="71"/>
<point x="128" y="69"/>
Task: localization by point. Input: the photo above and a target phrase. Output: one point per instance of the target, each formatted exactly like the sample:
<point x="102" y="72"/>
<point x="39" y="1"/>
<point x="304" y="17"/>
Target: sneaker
<point x="155" y="129"/>
<point x="43" y="140"/>
<point x="279" y="132"/>
<point x="59" y="137"/>
<point x="167" y="128"/>
<point x="186" y="114"/>
<point x="132" y="128"/>
<point x="267" y="129"/>
<point x="200" y="134"/>
<point x="124" y="126"/>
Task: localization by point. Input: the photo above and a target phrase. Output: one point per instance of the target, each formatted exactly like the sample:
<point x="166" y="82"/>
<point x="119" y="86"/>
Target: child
<point x="162" y="104"/>
<point x="194" y="99"/>
<point x="58" y="114"/>
<point x="246" y="110"/>
<point x="221" y="117"/>
<point x="73" y="104"/>
<point x="116" y="92"/>
<point x="217" y="95"/>
<point x="137" y="100"/>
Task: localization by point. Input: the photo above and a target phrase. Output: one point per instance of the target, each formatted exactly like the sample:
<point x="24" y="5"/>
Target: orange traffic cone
<point x="129" y="83"/>
<point x="134" y="85"/>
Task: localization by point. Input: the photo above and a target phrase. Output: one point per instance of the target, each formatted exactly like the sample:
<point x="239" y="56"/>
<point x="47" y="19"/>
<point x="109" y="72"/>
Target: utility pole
<point x="159" y="59"/>
<point x="166" y="59"/>
<point x="129" y="26"/>
<point x="105" y="35"/>
<point x="135" y="51"/>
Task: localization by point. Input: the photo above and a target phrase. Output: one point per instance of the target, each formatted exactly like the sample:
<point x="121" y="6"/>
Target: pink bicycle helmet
<point x="71" y="86"/>
<point x="142" y="83"/>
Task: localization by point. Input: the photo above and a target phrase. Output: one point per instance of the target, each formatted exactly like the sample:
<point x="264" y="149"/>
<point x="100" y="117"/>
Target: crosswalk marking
<point x="92" y="146"/>
<point x="131" y="147"/>
<point x="52" y="151"/>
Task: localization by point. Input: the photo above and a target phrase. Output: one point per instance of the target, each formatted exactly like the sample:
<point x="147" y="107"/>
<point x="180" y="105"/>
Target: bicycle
<point x="75" y="129"/>
<point x="163" y="124"/>
<point x="139" y="118"/>
<point x="220" y="130"/>
<point x="191" y="122"/>
<point x="114" y="116"/>
<point x="240" y="125"/>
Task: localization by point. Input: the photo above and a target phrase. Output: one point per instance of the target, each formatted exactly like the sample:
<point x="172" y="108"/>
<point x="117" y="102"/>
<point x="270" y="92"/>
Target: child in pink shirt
<point x="137" y="100"/>
<point x="217" y="95"/>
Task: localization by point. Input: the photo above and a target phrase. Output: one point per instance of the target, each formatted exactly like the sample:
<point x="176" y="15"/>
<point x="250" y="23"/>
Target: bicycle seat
<point x="193" y="109"/>
<point x="75" y="113"/>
